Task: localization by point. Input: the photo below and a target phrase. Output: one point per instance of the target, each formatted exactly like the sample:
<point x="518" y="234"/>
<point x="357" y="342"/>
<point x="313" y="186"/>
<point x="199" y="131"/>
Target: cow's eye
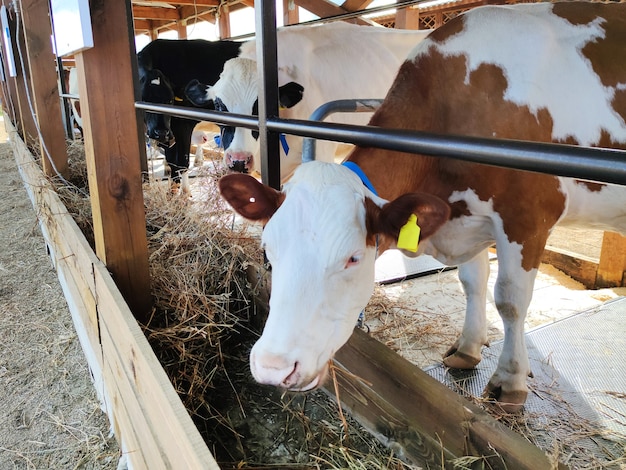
<point x="353" y="260"/>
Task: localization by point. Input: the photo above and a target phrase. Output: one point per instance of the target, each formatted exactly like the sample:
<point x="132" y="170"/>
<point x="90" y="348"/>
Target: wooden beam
<point x="194" y="3"/>
<point x="44" y="85"/>
<point x="579" y="267"/>
<point x="355" y="5"/>
<point x="428" y="421"/>
<point x="324" y="9"/>
<point x="153" y="13"/>
<point x="113" y="149"/>
<point x="290" y="12"/>
<point x="612" y="266"/>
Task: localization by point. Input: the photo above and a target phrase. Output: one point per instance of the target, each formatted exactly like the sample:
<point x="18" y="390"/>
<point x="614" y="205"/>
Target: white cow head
<point x="237" y="92"/>
<point x="321" y="237"/>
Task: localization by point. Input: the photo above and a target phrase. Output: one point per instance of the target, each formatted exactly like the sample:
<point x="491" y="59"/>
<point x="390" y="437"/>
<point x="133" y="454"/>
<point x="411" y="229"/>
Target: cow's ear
<point x="249" y="198"/>
<point x="290" y="94"/>
<point x="199" y="94"/>
<point x="387" y="220"/>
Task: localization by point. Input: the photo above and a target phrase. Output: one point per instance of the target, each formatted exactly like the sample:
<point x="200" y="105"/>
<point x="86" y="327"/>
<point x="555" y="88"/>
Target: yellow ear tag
<point x="409" y="235"/>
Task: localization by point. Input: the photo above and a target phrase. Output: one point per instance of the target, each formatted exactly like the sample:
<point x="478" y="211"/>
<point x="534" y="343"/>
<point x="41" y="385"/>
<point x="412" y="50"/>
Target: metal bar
<point x="595" y="164"/>
<point x="266" y="51"/>
<point x="337" y="106"/>
<point x="587" y="163"/>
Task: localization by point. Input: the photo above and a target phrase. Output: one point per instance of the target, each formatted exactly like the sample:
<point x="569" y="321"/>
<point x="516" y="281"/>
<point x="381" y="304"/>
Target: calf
<point x="166" y="67"/>
<point x="315" y="65"/>
<point x="549" y="72"/>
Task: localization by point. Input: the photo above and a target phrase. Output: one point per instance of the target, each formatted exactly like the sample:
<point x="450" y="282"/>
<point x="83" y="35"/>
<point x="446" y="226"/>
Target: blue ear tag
<point x="409" y="235"/>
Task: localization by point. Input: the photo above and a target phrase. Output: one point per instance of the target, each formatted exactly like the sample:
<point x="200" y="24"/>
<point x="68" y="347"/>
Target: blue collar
<point x="361" y="174"/>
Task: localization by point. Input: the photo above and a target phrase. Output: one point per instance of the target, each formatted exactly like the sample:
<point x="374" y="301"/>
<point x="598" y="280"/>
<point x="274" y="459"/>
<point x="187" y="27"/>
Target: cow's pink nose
<point x="273" y="369"/>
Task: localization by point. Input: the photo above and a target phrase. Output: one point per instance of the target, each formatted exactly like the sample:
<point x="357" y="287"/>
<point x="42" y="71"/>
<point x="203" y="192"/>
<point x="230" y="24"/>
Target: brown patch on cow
<point x="459" y="209"/>
<point x="575" y="13"/>
<point x="619" y="105"/>
<point x="603" y="60"/>
<point x="591" y="186"/>
<point x="454" y="26"/>
<point x="477" y="108"/>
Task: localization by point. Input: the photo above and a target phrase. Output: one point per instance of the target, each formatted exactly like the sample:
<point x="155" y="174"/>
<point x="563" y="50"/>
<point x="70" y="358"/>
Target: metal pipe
<point x="587" y="163"/>
<point x="595" y="164"/>
<point x="337" y="106"/>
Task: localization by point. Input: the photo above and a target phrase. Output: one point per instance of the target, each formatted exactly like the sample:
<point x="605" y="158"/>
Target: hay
<point x="202" y="328"/>
<point x="204" y="324"/>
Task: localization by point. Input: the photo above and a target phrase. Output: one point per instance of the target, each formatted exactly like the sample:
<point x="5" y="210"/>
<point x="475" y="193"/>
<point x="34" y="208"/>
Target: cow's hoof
<point x="455" y="359"/>
<point x="511" y="401"/>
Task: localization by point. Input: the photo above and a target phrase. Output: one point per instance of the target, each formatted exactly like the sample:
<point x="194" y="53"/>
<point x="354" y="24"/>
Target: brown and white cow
<point x="551" y="72"/>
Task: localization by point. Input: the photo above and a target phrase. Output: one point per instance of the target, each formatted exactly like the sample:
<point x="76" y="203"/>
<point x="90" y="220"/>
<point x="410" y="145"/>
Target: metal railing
<point x="587" y="163"/>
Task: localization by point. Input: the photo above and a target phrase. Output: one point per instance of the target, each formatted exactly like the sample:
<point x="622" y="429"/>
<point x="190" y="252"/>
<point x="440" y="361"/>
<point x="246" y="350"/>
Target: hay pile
<point x="203" y="326"/>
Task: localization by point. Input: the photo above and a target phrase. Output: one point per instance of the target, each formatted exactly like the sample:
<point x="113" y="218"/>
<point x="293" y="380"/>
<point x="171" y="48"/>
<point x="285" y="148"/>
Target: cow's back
<point x="548" y="72"/>
<point x="339" y="61"/>
<point x="182" y="61"/>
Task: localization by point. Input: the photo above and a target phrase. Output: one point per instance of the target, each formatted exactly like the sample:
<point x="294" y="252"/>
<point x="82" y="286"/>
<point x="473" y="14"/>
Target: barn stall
<point x="132" y="383"/>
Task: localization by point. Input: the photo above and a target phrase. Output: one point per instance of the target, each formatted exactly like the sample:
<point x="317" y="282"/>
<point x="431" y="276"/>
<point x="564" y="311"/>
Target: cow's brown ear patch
<point x="431" y="213"/>
<point x="249" y="198"/>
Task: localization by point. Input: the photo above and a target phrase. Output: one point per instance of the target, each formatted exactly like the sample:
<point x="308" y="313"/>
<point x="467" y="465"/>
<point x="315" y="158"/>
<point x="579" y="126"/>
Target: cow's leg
<point x="512" y="293"/>
<point x="465" y="352"/>
<point x="182" y="129"/>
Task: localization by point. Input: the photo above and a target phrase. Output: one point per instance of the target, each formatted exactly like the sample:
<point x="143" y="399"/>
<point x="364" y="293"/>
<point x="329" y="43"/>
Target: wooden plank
<point x="579" y="267"/>
<point x="612" y="265"/>
<point x="45" y="90"/>
<point x="135" y="366"/>
<point x="151" y="422"/>
<point x="421" y="416"/>
<point x="113" y="152"/>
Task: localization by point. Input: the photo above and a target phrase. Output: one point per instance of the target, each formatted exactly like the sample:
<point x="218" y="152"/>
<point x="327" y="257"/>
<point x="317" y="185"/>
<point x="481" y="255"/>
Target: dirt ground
<point x="50" y="417"/>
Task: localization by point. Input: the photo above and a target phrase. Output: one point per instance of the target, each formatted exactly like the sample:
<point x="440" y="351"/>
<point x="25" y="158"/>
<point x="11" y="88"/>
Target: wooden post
<point x="407" y="18"/>
<point x="113" y="151"/>
<point x="44" y="86"/>
<point x="612" y="264"/>
<point x="181" y="29"/>
<point x="291" y="14"/>
<point x="27" y="120"/>
<point x="224" y="21"/>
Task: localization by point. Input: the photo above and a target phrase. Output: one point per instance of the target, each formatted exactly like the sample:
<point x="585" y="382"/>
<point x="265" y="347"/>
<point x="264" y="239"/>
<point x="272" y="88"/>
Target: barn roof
<point x="155" y="16"/>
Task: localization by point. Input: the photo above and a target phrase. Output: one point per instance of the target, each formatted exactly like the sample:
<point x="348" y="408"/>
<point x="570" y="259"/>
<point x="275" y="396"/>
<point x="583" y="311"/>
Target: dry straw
<point x="203" y="325"/>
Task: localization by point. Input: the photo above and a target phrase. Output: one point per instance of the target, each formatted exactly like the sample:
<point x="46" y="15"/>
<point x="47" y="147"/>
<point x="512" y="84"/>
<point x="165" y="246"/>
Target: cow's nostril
<point x="238" y="166"/>
<point x="292" y="378"/>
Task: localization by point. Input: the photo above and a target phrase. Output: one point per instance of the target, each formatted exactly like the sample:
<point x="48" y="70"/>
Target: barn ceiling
<point x="155" y="15"/>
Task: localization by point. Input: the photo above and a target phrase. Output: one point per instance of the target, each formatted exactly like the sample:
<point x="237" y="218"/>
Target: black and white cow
<point x="166" y="66"/>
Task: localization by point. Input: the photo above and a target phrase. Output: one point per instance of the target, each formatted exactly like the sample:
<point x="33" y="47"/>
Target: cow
<point x="316" y="64"/>
<point x="165" y="68"/>
<point x="547" y="72"/>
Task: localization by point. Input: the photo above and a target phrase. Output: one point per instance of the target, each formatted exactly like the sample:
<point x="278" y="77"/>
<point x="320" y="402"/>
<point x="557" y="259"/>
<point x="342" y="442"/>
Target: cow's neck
<point x="393" y="173"/>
